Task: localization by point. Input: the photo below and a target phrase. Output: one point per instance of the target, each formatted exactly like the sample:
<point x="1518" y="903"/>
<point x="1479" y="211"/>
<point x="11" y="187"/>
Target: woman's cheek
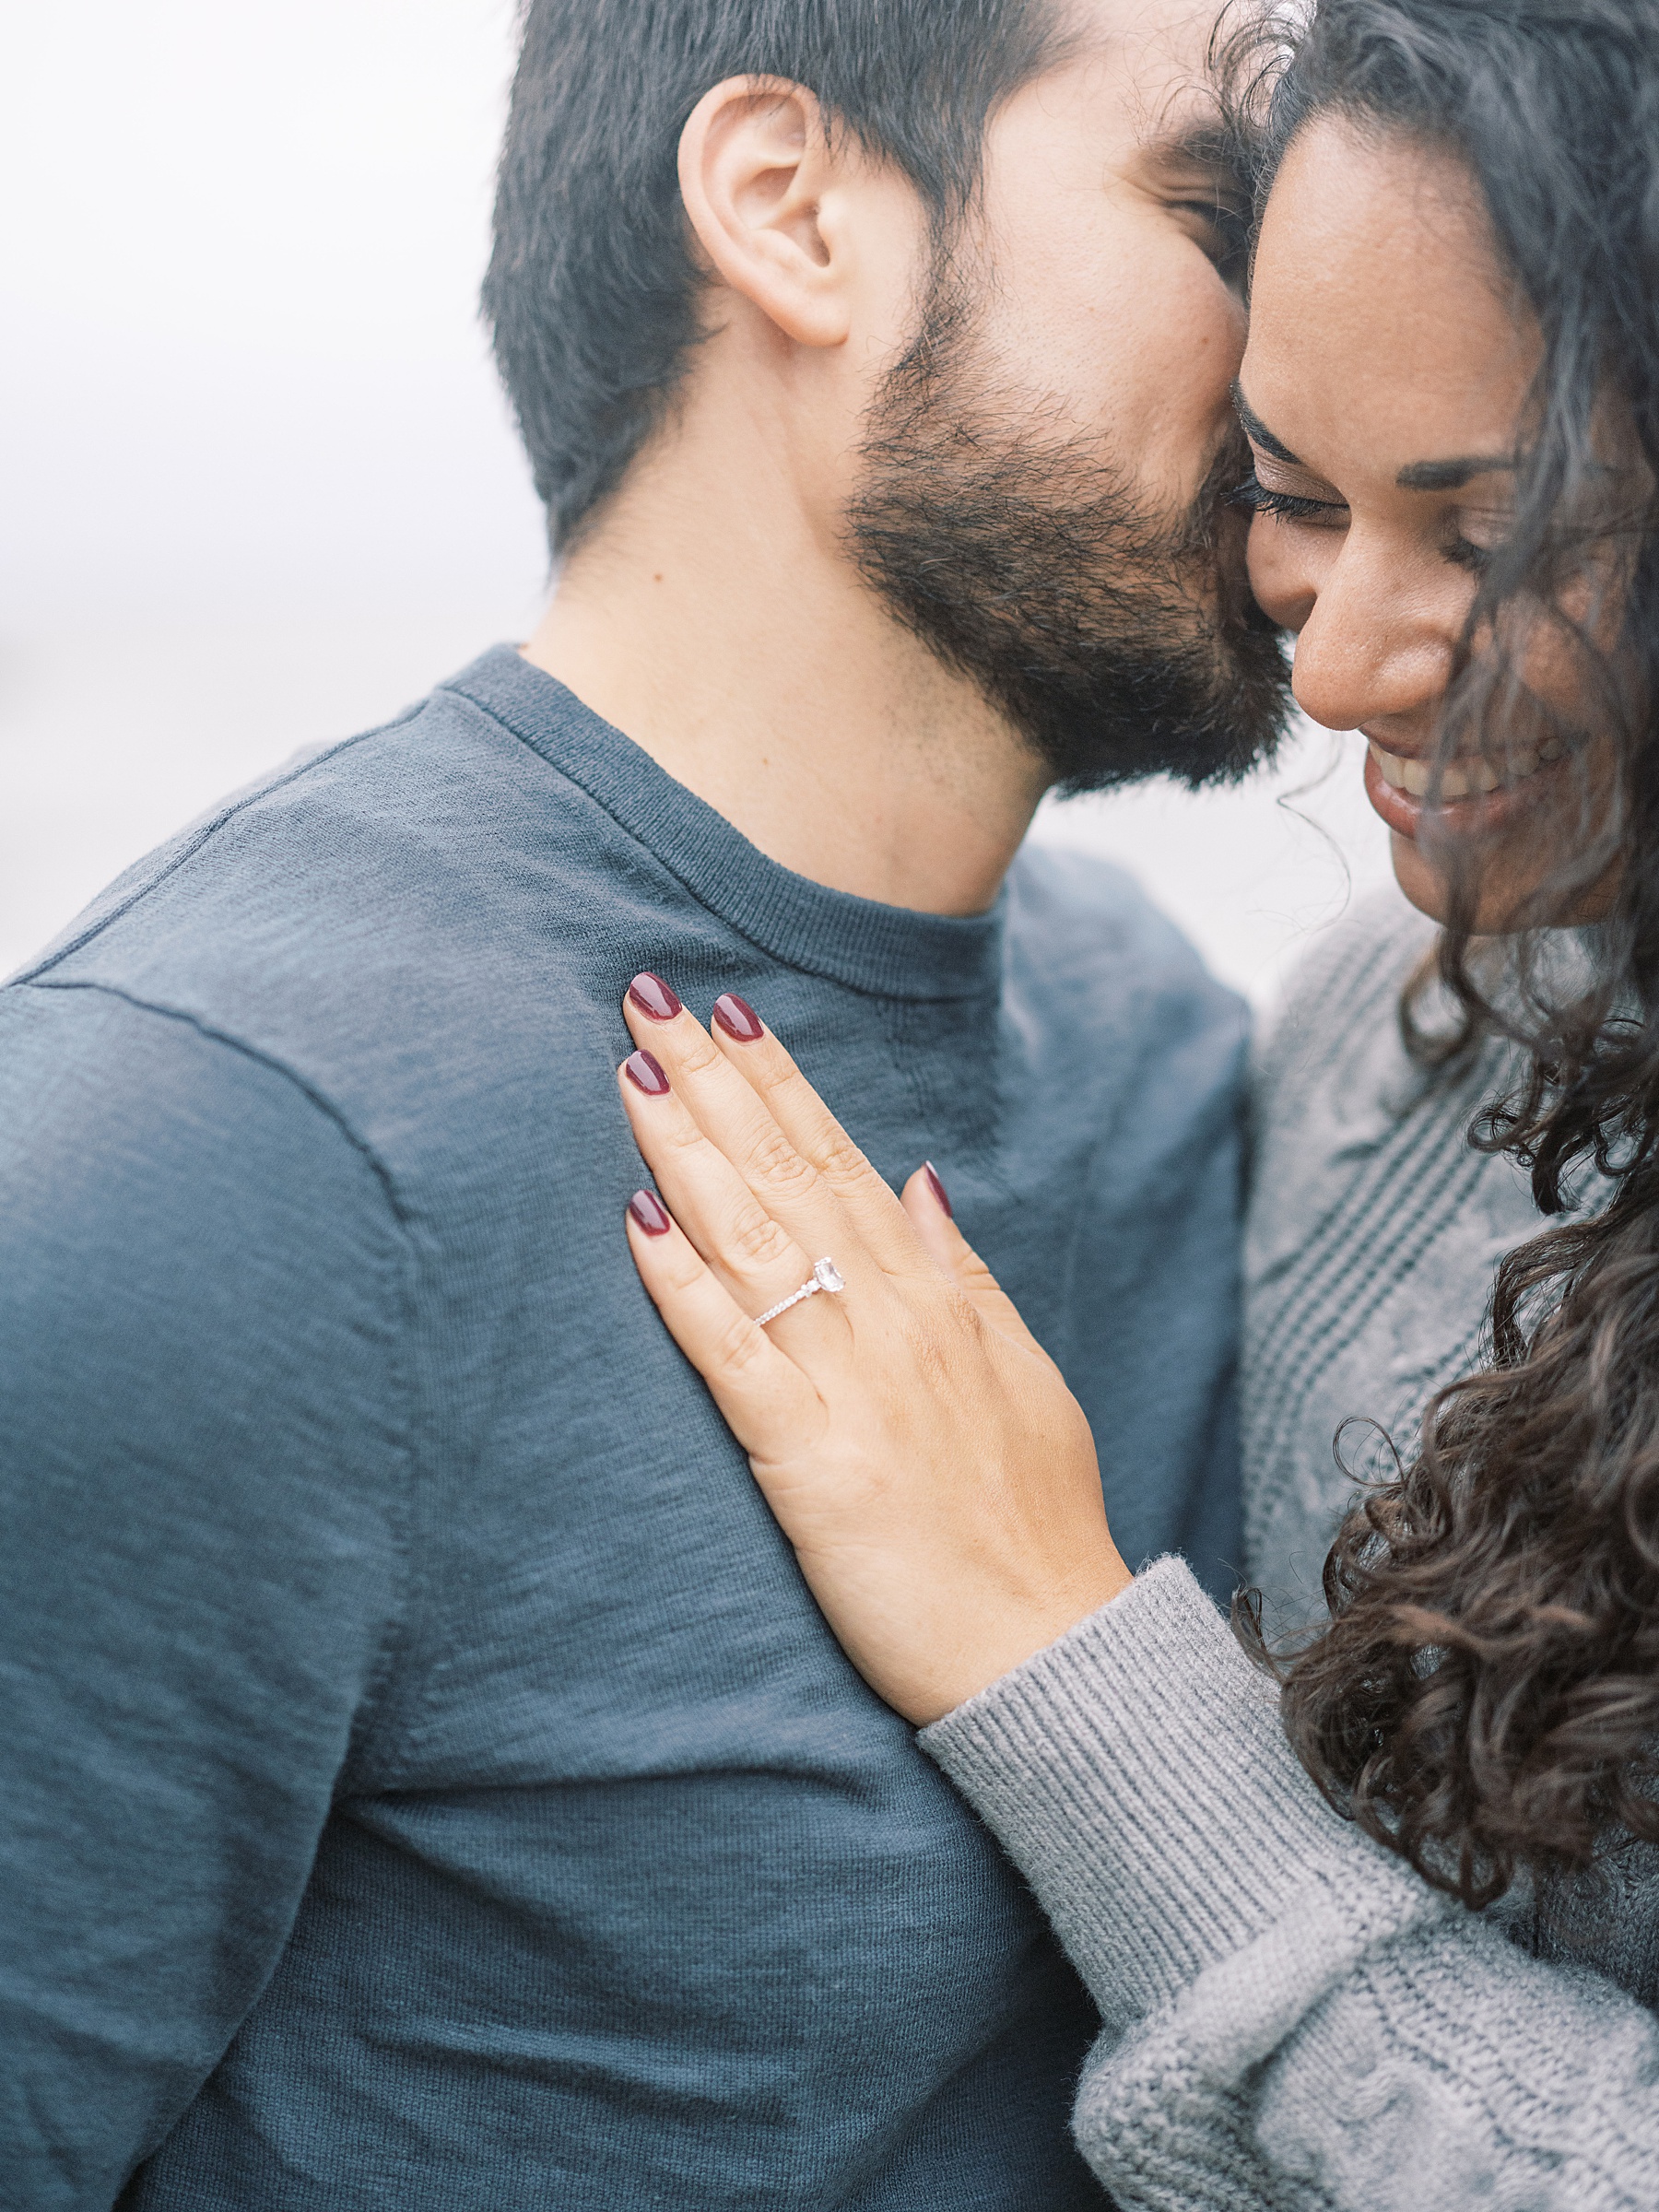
<point x="1283" y="588"/>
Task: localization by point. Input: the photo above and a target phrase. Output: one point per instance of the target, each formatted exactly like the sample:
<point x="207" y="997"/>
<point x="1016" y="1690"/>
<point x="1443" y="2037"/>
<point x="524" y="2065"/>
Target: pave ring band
<point x="826" y="1276"/>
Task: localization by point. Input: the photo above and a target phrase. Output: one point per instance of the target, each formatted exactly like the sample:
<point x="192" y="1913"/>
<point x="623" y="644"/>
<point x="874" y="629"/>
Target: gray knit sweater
<point x="1290" y="2018"/>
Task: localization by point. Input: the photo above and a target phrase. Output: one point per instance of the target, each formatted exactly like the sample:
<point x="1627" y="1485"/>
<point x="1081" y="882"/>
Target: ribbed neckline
<point x="888" y="951"/>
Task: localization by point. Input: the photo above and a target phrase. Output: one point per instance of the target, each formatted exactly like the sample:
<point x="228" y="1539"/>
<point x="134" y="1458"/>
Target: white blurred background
<point x="260" y="487"/>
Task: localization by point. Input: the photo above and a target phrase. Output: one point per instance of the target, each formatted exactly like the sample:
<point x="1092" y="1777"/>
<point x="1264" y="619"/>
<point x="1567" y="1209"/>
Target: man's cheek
<point x="1199" y="338"/>
<point x="1176" y="368"/>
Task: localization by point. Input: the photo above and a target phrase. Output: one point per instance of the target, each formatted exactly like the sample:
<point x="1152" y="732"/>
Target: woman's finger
<point x="763" y="1395"/>
<point x="755" y="1256"/>
<point x="737" y="1124"/>
<point x="763" y="1268"/>
<point x="791" y="1101"/>
<point x="928" y="1204"/>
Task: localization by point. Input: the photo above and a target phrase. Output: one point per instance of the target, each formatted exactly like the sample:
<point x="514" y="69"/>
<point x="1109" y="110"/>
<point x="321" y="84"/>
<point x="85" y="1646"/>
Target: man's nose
<point x="1371" y="651"/>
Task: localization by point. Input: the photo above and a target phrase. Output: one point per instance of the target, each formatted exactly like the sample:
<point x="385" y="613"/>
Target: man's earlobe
<point x="755" y="167"/>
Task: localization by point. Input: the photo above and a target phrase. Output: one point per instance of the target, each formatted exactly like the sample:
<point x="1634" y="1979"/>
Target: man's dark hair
<point x="592" y="291"/>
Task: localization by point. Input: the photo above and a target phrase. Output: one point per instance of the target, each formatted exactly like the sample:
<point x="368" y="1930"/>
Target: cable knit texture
<point x="1374" y="1235"/>
<point x="1292" y="2020"/>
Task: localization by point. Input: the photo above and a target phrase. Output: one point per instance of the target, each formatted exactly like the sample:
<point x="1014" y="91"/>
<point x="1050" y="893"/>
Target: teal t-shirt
<point x="428" y="1782"/>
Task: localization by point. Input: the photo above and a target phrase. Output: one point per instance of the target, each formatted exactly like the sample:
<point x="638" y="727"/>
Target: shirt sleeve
<point x="202" y="1474"/>
<point x="1292" y="2018"/>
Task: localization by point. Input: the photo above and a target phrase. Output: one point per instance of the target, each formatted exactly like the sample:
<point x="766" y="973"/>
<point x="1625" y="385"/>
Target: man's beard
<point x="1119" y="646"/>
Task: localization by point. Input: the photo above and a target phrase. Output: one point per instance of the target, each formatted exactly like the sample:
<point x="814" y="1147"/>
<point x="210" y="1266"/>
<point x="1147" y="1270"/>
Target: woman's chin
<point x="1426" y="891"/>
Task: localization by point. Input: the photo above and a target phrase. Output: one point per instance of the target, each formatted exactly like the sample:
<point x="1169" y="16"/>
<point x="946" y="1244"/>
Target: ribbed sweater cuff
<point x="1137" y="1773"/>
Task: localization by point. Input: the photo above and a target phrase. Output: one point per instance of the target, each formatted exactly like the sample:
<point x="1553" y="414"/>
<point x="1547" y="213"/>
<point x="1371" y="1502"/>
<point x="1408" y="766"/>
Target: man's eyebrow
<point x="1199" y="142"/>
<point x="1258" y="430"/>
<point x="1452" y="475"/>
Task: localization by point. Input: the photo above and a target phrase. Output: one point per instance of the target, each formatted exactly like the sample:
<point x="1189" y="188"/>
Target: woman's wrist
<point x="1005" y="1637"/>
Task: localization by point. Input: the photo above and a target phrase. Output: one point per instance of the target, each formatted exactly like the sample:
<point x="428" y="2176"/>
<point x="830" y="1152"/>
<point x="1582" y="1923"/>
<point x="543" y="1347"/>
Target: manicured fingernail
<point x="653" y="996"/>
<point x="937" y="1188"/>
<point x="644" y="1072"/>
<point x="651" y="1214"/>
<point x="738" y="1018"/>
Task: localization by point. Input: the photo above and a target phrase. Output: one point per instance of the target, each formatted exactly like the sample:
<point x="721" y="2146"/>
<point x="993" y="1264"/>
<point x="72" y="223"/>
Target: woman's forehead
<point x="1379" y="308"/>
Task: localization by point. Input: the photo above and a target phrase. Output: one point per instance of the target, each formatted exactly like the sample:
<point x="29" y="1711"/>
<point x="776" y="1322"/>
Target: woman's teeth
<point x="1461" y="778"/>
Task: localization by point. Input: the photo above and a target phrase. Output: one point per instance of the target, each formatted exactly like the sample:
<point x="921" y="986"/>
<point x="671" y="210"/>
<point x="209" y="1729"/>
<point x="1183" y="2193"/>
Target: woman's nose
<point x="1369" y="653"/>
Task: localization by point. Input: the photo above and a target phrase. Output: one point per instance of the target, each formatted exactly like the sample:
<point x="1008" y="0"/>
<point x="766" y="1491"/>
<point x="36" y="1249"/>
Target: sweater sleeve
<point x="1291" y="2017"/>
<point x="202" y="1475"/>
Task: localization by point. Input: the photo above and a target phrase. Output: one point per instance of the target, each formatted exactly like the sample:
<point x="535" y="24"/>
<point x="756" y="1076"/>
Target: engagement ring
<point x="826" y="1276"/>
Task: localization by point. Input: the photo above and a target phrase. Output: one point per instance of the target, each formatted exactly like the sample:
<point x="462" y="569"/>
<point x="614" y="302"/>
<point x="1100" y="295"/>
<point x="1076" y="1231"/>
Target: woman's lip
<point x="1398" y="808"/>
<point x="1402" y="810"/>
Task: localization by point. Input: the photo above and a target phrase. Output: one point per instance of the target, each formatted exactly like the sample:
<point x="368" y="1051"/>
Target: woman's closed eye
<point x="1471" y="546"/>
<point x="1463" y="553"/>
<point x="1478" y="534"/>
<point x="1261" y="499"/>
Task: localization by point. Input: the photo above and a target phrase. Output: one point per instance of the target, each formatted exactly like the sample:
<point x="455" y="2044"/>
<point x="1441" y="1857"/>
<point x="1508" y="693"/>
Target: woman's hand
<point x="937" y="1478"/>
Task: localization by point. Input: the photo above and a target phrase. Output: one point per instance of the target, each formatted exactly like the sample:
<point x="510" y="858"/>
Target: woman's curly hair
<point x="1485" y="1697"/>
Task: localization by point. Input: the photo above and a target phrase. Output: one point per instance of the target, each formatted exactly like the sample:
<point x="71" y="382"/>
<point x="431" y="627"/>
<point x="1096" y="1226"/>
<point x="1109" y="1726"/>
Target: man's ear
<point x="759" y="187"/>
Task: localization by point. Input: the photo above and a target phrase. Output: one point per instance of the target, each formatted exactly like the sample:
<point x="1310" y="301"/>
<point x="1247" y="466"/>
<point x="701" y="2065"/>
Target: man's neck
<point x="711" y="626"/>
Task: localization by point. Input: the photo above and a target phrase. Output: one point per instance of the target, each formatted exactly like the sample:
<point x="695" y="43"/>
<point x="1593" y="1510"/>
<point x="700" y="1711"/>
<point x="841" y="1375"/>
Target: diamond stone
<point x="828" y="1275"/>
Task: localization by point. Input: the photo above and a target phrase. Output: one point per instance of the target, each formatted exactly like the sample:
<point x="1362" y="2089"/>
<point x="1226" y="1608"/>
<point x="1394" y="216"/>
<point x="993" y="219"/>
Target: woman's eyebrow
<point x="1258" y="430"/>
<point x="1416" y="475"/>
<point x="1452" y="475"/>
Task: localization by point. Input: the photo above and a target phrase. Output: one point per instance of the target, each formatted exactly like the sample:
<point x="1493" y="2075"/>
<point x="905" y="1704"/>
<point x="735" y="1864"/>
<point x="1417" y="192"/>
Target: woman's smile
<point x="1474" y="793"/>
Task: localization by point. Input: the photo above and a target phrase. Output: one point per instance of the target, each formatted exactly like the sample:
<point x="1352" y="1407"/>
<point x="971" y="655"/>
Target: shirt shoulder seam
<point x="395" y="1629"/>
<point x="212" y="1034"/>
<point x="197" y="838"/>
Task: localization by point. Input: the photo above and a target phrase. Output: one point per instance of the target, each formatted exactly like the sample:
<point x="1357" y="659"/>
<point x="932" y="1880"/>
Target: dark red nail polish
<point x="653" y="996"/>
<point x="937" y="1188"/>
<point x="738" y="1018"/>
<point x="644" y="1072"/>
<point x="651" y="1214"/>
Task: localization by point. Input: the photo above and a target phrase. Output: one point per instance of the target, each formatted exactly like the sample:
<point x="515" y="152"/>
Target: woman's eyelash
<point x="1465" y="554"/>
<point x="1259" y="499"/>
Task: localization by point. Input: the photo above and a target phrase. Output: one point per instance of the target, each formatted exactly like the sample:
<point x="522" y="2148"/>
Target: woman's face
<point x="1385" y="388"/>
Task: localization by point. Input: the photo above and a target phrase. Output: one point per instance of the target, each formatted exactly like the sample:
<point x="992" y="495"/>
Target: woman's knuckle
<point x="964" y="1318"/>
<point x="697" y="1054"/>
<point x="778" y="1078"/>
<point x="842" y="1160"/>
<point x="777" y="1163"/>
<point x="926" y="1347"/>
<point x="929" y="1360"/>
<point x="756" y="1235"/>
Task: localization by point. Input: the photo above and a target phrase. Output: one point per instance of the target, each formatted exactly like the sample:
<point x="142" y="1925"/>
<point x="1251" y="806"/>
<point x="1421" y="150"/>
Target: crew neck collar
<point x="889" y="951"/>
